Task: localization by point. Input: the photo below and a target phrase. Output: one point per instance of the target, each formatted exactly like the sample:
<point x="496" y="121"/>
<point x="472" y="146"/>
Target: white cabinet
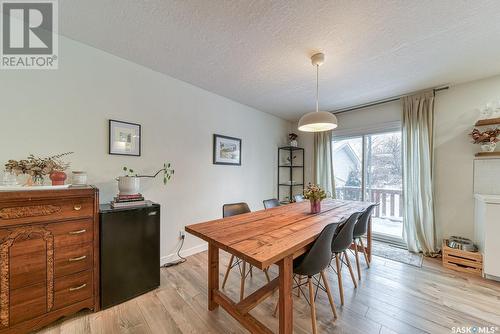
<point x="487" y="233"/>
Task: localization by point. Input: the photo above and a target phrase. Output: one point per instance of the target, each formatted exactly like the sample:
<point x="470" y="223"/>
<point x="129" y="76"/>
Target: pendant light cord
<point x="317" y="87"/>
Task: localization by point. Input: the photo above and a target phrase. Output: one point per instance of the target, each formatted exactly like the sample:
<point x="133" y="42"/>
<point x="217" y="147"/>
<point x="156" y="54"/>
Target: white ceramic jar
<point x="79" y="178"/>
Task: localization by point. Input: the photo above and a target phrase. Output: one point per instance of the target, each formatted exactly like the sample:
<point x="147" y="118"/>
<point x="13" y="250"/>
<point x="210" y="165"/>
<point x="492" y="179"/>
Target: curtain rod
<point x="376" y="103"/>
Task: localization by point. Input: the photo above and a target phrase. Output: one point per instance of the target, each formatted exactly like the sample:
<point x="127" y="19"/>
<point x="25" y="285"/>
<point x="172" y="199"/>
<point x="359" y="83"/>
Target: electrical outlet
<point x="182" y="234"/>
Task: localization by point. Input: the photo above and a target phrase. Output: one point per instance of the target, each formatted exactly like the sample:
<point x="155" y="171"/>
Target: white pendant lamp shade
<point x="317" y="121"/>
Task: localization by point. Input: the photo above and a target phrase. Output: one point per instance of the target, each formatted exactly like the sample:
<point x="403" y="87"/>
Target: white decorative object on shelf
<point x="488" y="147"/>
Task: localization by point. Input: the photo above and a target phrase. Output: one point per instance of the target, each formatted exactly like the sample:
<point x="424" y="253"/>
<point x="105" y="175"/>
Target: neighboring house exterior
<point x="346" y="160"/>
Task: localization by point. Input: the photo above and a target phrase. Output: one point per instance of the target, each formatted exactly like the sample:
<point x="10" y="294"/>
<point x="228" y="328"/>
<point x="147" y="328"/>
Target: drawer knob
<point x="78" y="287"/>
<point x="73" y="259"/>
<point x="78" y="232"/>
<point x="77" y="207"/>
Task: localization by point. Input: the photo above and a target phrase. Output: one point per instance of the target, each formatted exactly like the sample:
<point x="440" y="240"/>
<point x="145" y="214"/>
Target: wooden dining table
<point x="263" y="238"/>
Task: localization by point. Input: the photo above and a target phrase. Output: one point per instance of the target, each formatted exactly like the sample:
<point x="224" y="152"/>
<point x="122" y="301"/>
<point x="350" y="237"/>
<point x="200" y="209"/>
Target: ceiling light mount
<point x="317" y="121"/>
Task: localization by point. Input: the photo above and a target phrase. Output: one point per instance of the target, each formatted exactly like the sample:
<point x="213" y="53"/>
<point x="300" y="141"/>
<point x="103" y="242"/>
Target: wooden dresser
<point x="49" y="256"/>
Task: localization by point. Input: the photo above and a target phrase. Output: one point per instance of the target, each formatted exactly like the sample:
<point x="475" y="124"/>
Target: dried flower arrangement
<point x="37" y="167"/>
<point x="292" y="136"/>
<point x="488" y="136"/>
<point x="313" y="192"/>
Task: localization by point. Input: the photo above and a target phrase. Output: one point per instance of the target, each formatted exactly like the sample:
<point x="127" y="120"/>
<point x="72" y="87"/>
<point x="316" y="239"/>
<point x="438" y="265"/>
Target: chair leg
<point x="243" y="277"/>
<point x="329" y="293"/>
<point x="350" y="269"/>
<point x="251" y="271"/>
<point x="300" y="282"/>
<point x="356" y="253"/>
<point x="313" y="307"/>
<point x="364" y="252"/>
<point x="227" y="271"/>
<point x="267" y="275"/>
<point x="339" y="277"/>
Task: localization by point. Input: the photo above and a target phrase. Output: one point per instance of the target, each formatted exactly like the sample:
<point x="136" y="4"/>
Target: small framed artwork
<point x="124" y="138"/>
<point x="227" y="150"/>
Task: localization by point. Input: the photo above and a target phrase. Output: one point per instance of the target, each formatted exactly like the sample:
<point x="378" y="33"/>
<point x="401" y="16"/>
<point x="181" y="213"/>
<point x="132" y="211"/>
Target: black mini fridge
<point x="129" y="253"/>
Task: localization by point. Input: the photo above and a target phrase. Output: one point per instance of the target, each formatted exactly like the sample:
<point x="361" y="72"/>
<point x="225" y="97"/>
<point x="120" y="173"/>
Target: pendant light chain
<point x="317" y="87"/>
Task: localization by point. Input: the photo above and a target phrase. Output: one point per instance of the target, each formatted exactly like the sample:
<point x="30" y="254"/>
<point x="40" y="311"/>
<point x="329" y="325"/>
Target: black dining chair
<point x="360" y="229"/>
<point x="271" y="203"/>
<point x="312" y="265"/>
<point x="340" y="243"/>
<point x="298" y="198"/>
<point x="229" y="210"/>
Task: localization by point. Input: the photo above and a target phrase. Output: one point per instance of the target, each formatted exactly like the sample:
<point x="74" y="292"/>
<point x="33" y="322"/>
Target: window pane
<point x="384" y="182"/>
<point x="347" y="166"/>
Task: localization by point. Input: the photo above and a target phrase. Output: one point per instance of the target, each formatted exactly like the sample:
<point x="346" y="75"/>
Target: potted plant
<point x="129" y="184"/>
<point x="292" y="137"/>
<point x="487" y="139"/>
<point x="315" y="195"/>
<point x="36" y="168"/>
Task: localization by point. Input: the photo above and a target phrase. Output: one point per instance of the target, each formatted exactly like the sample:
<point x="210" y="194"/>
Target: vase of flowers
<point x="315" y="195"/>
<point x="487" y="139"/>
<point x="292" y="137"/>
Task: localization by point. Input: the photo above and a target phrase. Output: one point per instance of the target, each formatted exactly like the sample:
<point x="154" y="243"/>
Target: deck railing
<point x="390" y="200"/>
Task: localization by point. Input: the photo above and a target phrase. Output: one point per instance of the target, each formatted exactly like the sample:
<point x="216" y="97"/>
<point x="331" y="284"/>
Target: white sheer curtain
<point x="418" y="119"/>
<point x="323" y="163"/>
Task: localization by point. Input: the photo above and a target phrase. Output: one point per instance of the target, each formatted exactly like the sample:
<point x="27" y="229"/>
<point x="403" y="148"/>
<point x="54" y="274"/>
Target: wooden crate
<point x="460" y="260"/>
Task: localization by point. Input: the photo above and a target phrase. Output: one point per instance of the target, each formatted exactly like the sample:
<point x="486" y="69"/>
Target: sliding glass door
<point x="369" y="167"/>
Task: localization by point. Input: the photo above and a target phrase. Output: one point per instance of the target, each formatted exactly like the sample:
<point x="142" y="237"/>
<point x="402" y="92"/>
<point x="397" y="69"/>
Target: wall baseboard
<point x="185" y="253"/>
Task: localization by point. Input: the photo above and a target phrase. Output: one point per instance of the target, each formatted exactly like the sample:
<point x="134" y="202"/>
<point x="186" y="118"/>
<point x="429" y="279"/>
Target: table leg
<point x="285" y="295"/>
<point x="213" y="275"/>
<point x="369" y="240"/>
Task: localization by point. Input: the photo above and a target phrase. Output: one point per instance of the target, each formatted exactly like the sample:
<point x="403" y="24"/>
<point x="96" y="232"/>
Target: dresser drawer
<point x="34" y="211"/>
<point x="72" y="233"/>
<point x="72" y="289"/>
<point x="73" y="259"/>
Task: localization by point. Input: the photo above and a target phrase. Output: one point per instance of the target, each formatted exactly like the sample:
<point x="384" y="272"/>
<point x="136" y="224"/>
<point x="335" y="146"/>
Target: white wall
<point x="455" y="116"/>
<point x="454" y="153"/>
<point x="48" y="112"/>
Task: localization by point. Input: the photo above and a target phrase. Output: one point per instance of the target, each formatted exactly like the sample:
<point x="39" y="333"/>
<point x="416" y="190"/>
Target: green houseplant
<point x="129" y="184"/>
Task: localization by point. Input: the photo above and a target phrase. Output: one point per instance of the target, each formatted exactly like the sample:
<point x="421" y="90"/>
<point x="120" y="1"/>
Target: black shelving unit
<point x="290" y="187"/>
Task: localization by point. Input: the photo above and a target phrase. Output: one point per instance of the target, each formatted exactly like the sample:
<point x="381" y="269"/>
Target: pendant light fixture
<point x="317" y="121"/>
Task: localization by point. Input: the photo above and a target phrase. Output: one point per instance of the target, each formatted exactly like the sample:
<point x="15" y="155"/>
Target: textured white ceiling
<point x="257" y="52"/>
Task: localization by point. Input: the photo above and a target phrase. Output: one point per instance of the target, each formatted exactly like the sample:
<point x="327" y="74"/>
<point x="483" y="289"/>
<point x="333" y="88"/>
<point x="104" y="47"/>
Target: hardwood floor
<point x="391" y="298"/>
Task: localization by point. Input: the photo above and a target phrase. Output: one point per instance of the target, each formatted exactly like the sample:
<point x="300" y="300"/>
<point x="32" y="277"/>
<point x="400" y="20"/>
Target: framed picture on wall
<point x="227" y="150"/>
<point x="124" y="138"/>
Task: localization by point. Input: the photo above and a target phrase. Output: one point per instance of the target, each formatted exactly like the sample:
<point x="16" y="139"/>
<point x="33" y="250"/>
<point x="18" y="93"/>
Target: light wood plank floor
<point x="391" y="298"/>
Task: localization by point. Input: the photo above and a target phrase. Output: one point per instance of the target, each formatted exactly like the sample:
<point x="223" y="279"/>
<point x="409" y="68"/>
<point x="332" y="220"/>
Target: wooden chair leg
<point x="356" y="253"/>
<point x="313" y="307"/>
<point x="298" y="289"/>
<point x="350" y="269"/>
<point x="267" y="275"/>
<point x="243" y="277"/>
<point x="227" y="271"/>
<point x="339" y="277"/>
<point x="329" y="293"/>
<point x="364" y="252"/>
